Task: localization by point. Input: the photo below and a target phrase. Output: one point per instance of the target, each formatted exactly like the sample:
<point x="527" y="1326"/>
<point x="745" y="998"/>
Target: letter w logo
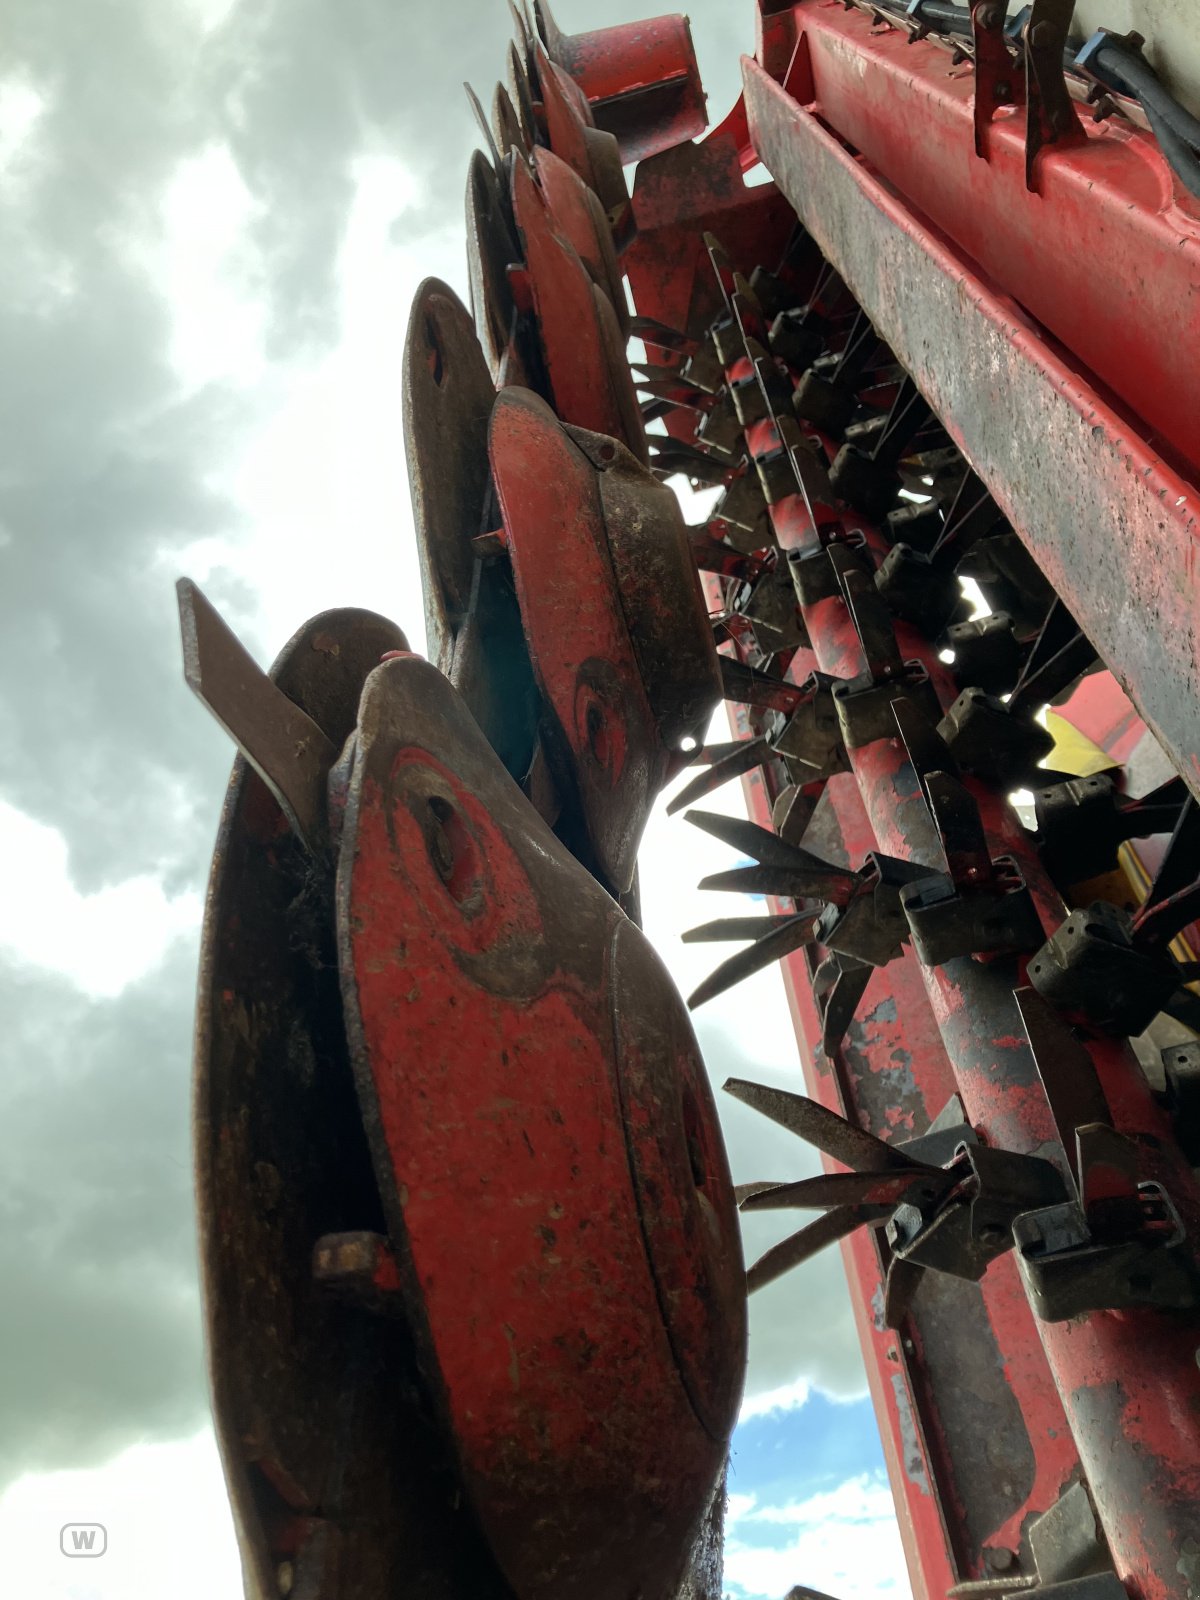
<point x="83" y="1539"/>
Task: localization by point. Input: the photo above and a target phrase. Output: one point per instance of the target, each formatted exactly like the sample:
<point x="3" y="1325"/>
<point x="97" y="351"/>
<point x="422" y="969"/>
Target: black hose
<point x="1173" y="125"/>
<point x="1120" y="61"/>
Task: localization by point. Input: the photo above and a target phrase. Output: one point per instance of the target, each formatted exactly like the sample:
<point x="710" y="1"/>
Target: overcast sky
<point x="214" y="214"/>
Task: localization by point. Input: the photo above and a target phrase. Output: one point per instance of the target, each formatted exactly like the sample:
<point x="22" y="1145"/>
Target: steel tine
<point x="748" y="753"/>
<point x="650" y="331"/>
<point x="520" y="31"/>
<point x="763" y="846"/>
<point x="486" y="129"/>
<point x="960" y="828"/>
<point x="743" y="1191"/>
<point x="290" y="753"/>
<point x="841" y="1002"/>
<point x="903" y="1279"/>
<point x="798" y="1247"/>
<point x="736" y="930"/>
<point x="1067" y="1071"/>
<point x="872" y="620"/>
<point x="507" y="125"/>
<point x="773" y="946"/>
<point x="706" y="754"/>
<point x="753" y="688"/>
<point x="785" y="883"/>
<point x="926" y="748"/>
<point x="721" y="265"/>
<point x="836" y="1189"/>
<point x="809" y="1120"/>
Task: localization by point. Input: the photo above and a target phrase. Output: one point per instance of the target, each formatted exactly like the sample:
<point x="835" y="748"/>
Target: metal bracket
<point x="919" y="590"/>
<point x="998" y="80"/>
<point x="1050" y="114"/>
<point x="1119" y="1243"/>
<point x="1094" y="967"/>
<point x="988" y="740"/>
<point x="981" y="906"/>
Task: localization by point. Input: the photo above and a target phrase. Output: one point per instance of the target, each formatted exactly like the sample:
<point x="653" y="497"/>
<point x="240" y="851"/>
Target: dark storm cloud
<point x="104" y="461"/>
<point x="99" y="1328"/>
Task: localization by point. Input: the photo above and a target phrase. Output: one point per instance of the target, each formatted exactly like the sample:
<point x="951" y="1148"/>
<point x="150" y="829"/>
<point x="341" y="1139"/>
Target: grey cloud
<point x="104" y="462"/>
<point x="100" y="1320"/>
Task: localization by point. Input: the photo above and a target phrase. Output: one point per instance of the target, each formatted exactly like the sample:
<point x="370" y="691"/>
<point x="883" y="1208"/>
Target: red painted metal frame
<point x="641" y="79"/>
<point x="1128" y="1383"/>
<point x="676" y="198"/>
<point x="896" y="1039"/>
<point x="1111" y="524"/>
<point x="1074" y="254"/>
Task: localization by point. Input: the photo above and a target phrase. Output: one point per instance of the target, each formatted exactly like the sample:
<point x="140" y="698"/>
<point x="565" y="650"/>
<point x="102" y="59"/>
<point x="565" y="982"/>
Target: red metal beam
<point x="1128" y="1381"/>
<point x="1074" y="254"/>
<point x="1113" y="527"/>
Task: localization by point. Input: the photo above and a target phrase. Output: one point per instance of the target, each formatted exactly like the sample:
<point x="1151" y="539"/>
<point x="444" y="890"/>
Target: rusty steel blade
<point x="754" y="688"/>
<point x="734" y="930"/>
<point x="747" y="753"/>
<point x="926" y="748"/>
<point x="283" y="744"/>
<point x="1067" y="1071"/>
<point x="794" y="883"/>
<point x="798" y="1247"/>
<point x="839" y="1000"/>
<point x="841" y="1189"/>
<point x="772" y="947"/>
<point x="853" y="1147"/>
<point x="650" y="331"/>
<point x="708" y="753"/>
<point x="743" y="1191"/>
<point x="485" y="128"/>
<point x="763" y="846"/>
<point x="956" y="817"/>
<point x="903" y="1280"/>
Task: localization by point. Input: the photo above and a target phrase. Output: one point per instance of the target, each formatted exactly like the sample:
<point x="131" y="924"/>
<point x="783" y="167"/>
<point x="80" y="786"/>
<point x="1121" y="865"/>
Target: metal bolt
<point x="999" y="1559"/>
<point x="989" y="16"/>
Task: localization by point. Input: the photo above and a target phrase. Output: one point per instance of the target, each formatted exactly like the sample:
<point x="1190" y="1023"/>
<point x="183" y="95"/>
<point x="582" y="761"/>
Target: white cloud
<point x="21" y="108"/>
<point x="787" y="1397"/>
<point x="101" y="941"/>
<point x="207" y="272"/>
<point x="163" y="1506"/>
<point x="322" y="476"/>
<point x="843" y="1541"/>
